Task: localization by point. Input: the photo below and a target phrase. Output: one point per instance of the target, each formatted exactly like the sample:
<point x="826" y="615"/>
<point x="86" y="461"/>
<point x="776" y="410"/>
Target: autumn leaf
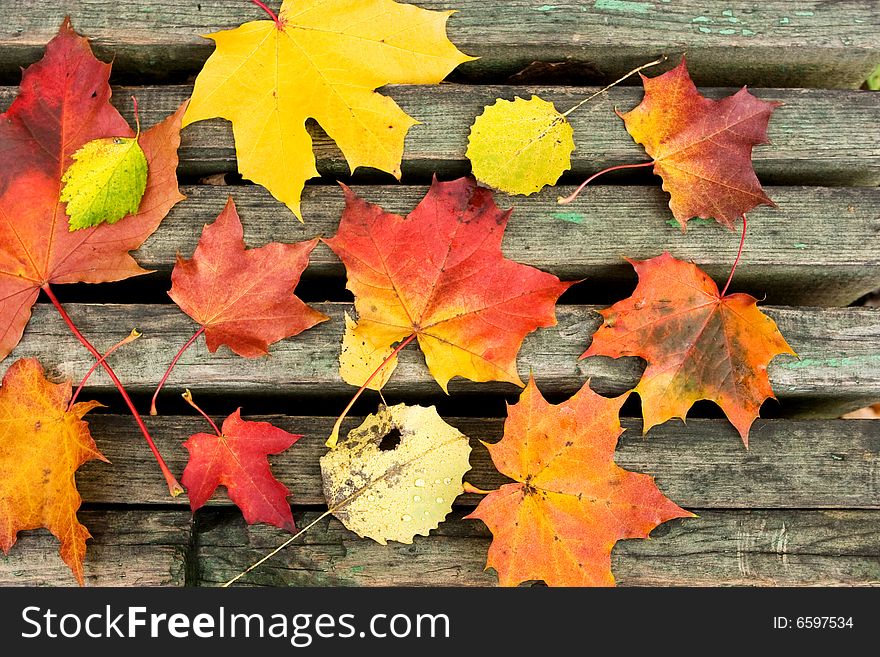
<point x="322" y="60"/>
<point x="698" y="344"/>
<point x="63" y="105"/>
<point x="242" y="298"/>
<point x="407" y="489"/>
<point x="570" y="502"/>
<point x="42" y="444"/>
<point x="237" y="458"/>
<point x="105" y="183"/>
<point x="520" y="146"/>
<point x="439" y="275"/>
<point x="702" y="148"/>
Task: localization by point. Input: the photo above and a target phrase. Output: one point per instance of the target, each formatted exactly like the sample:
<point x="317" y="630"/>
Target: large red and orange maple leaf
<point x="570" y="502"/>
<point x="242" y="298"/>
<point x="43" y="441"/>
<point x="438" y="276"/>
<point x="698" y="343"/>
<point x="64" y="102"/>
<point x="702" y="148"/>
<point x="236" y="458"/>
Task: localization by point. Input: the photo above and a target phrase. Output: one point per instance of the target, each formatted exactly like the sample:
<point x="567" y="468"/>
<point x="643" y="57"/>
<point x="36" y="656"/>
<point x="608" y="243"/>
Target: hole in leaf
<point x="390" y="440"/>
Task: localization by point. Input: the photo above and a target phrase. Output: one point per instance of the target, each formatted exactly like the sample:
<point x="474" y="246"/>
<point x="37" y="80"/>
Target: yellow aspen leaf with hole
<point x="392" y="492"/>
<point x="520" y="146"/>
<point x="322" y="60"/>
<point x="105" y="182"/>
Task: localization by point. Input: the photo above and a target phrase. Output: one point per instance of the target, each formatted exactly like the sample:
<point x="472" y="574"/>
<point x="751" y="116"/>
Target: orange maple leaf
<point x="243" y="297"/>
<point x="698" y="344"/>
<point x="42" y="444"/>
<point x="571" y="502"/>
<point x="439" y="275"/>
<point x="64" y="103"/>
<point x="702" y="148"/>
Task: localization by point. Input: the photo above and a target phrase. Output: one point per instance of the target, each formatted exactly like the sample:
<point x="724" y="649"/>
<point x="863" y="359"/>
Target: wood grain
<point x="772" y="43"/>
<point x="838" y="369"/>
<point x="129" y="548"/>
<point x="790" y="463"/>
<point x="792" y="255"/>
<point x="817" y="137"/>
<point x="720" y="548"/>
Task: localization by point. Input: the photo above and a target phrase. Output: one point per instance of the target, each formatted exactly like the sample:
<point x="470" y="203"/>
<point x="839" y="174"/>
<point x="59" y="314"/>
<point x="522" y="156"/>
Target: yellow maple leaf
<point x="520" y="146"/>
<point x="320" y="59"/>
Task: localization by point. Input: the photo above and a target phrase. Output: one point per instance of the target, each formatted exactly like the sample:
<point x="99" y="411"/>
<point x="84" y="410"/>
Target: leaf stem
<point x="171" y="367"/>
<point x="571" y="197"/>
<point x="137" y="117"/>
<point x="173" y="486"/>
<point x="189" y="400"/>
<point x="659" y="60"/>
<point x="470" y="488"/>
<point x="131" y="337"/>
<point x="271" y="13"/>
<point x="742" y="240"/>
<point x="334" y="435"/>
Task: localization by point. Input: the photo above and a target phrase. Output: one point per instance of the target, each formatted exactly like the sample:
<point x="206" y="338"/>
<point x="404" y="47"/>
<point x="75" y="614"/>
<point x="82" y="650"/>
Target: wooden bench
<point x="801" y="507"/>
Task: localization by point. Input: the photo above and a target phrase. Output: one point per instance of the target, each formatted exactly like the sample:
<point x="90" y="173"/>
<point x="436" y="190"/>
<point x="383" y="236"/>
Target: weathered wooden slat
<point x="838" y="370"/>
<point x="817" y="137"/>
<point x="790" y="463"/>
<point x="821" y="246"/>
<point x="128" y="548"/>
<point x="720" y="548"/>
<point x="813" y="43"/>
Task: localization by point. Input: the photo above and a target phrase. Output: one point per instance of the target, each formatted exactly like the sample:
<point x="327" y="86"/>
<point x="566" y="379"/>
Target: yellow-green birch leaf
<point x="105" y="182"/>
<point x="520" y="146"/>
<point x="394" y="494"/>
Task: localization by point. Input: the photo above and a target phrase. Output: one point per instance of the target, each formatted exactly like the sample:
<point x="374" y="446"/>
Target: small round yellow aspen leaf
<point x="397" y="474"/>
<point x="360" y="357"/>
<point x="520" y="146"/>
<point x="105" y="183"/>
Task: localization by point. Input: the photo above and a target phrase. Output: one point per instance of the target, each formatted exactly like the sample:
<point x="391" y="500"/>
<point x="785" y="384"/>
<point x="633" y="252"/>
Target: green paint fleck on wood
<point x="803" y="13"/>
<point x="701" y="19"/>
<point x="704" y="30"/>
<point x="571" y="217"/>
<point x="832" y="361"/>
<point x="727" y="12"/>
<point x="727" y="30"/>
<point x="784" y="21"/>
<point x="357" y="569"/>
<point x="800" y="245"/>
<point x="624" y="5"/>
<point x="746" y="32"/>
<point x="545" y="8"/>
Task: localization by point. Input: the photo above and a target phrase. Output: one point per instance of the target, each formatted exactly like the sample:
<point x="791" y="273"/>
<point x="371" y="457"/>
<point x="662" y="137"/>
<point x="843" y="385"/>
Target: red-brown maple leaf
<point x="236" y="458"/>
<point x="243" y="298"/>
<point x="571" y="502"/>
<point x="439" y="275"/>
<point x="698" y="344"/>
<point x="63" y="103"/>
<point x="702" y="148"/>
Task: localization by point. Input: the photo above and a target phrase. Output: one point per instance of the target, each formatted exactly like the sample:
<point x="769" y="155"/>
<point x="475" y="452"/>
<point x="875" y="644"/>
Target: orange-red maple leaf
<point x="698" y="344"/>
<point x="42" y="444"/>
<point x="439" y="275"/>
<point x="571" y="502"/>
<point x="63" y="103"/>
<point x="243" y="297"/>
<point x="237" y="459"/>
<point x="702" y="148"/>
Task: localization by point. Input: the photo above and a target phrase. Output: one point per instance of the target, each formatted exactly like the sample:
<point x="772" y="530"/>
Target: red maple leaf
<point x="236" y="457"/>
